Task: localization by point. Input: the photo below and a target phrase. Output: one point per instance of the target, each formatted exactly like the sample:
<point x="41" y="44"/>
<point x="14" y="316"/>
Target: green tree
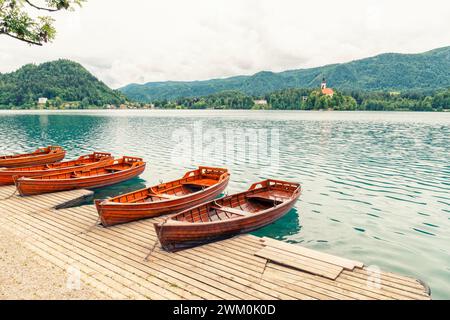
<point x="58" y="102"/>
<point x="84" y="104"/>
<point x="16" y="22"/>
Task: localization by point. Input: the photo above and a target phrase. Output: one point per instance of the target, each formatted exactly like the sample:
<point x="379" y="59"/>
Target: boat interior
<point x="259" y="197"/>
<point x="40" y="151"/>
<point x="117" y="166"/>
<point x="81" y="161"/>
<point x="192" y="182"/>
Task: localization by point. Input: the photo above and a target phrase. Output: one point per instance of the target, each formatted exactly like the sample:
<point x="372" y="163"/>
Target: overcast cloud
<point x="140" y="40"/>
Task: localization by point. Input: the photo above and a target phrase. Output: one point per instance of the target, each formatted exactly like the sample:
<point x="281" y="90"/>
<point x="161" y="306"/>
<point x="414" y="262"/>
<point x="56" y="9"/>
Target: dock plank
<point x="338" y="261"/>
<point x="113" y="260"/>
<point x="300" y="262"/>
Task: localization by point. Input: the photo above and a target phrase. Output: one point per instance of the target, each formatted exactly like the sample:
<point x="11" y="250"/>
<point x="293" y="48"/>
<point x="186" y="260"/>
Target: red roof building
<point x="326" y="91"/>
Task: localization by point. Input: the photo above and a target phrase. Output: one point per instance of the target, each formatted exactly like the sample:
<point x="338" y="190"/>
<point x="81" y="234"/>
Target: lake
<point x="376" y="185"/>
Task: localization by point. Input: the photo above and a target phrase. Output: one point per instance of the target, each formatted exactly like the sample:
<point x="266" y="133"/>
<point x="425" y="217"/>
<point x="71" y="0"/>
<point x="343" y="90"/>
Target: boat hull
<point x="8" y="176"/>
<point x="32" y="160"/>
<point x="118" y="213"/>
<point x="177" y="236"/>
<point x="28" y="187"/>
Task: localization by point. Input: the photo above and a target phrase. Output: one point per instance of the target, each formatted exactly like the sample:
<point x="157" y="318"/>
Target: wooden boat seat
<point x="138" y="199"/>
<point x="269" y="196"/>
<point x="233" y="211"/>
<point x="166" y="196"/>
<point x="201" y="182"/>
<point x="148" y="198"/>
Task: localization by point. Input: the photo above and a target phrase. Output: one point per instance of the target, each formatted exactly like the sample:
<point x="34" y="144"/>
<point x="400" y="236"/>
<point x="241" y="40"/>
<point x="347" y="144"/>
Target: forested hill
<point x="390" y="71"/>
<point x="60" y="81"/>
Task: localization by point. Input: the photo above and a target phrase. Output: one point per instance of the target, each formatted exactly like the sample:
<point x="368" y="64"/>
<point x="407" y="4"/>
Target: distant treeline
<point x="223" y="100"/>
<point x="309" y="99"/>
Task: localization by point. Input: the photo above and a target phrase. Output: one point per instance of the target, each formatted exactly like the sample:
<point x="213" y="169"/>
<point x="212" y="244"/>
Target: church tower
<point x="324" y="84"/>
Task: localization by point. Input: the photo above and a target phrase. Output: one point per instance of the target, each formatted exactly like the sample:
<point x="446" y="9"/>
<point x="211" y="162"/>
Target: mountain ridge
<point x="428" y="70"/>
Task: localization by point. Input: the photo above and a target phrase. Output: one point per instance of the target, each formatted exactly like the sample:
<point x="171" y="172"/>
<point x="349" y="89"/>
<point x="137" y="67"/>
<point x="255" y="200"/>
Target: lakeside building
<point x="42" y="101"/>
<point x="261" y="102"/>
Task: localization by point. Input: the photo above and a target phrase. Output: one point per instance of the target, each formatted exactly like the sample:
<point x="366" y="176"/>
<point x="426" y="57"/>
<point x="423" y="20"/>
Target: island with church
<point x="322" y="97"/>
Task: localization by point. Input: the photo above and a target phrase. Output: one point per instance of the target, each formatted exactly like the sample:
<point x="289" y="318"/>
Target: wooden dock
<point x="113" y="260"/>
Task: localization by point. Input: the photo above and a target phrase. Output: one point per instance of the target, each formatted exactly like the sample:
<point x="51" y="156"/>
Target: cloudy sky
<point x="140" y="40"/>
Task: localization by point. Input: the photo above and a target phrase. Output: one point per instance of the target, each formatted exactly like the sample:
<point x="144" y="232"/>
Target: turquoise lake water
<point x="376" y="185"/>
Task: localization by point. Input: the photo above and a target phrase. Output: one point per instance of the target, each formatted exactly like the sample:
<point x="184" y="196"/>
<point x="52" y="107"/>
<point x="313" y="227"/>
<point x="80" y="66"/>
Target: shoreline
<point x="235" y="110"/>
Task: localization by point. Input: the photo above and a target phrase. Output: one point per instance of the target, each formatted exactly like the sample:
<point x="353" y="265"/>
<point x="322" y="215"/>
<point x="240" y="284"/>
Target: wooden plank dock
<point x="113" y="260"/>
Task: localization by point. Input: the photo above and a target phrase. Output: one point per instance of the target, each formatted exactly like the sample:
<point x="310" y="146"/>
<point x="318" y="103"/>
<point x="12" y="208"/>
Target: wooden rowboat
<point x="257" y="207"/>
<point x="120" y="170"/>
<point x="7" y="176"/>
<point x="46" y="155"/>
<point x="196" y="187"/>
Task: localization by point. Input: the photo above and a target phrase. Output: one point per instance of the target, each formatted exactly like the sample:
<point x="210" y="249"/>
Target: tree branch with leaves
<point x="16" y="22"/>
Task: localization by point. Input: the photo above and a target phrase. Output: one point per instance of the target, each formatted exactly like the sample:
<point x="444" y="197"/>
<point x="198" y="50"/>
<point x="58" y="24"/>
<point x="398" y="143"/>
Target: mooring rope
<point x="15" y="191"/>
<point x="157" y="240"/>
<point x="10" y="196"/>
<point x="91" y="227"/>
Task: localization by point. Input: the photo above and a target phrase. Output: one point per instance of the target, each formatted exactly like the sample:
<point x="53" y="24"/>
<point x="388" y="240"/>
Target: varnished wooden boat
<point x="257" y="207"/>
<point x="120" y="170"/>
<point x="7" y="176"/>
<point x="194" y="188"/>
<point x="45" y="155"/>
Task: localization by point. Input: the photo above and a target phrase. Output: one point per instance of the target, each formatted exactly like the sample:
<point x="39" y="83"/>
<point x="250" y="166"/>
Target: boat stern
<point x="18" y="182"/>
<point x="99" y="207"/>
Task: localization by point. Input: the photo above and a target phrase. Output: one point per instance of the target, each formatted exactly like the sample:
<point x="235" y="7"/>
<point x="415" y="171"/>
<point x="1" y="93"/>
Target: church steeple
<point x="324" y="84"/>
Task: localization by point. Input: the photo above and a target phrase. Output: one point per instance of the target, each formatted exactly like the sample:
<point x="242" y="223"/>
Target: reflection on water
<point x="286" y="226"/>
<point x="376" y="186"/>
<point x="120" y="188"/>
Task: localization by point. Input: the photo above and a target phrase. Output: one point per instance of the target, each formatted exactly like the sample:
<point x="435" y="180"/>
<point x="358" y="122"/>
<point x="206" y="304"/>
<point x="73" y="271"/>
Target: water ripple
<point x="367" y="177"/>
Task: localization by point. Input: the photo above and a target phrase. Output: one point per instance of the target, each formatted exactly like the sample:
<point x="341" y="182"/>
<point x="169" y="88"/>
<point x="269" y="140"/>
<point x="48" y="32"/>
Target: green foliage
<point x="386" y="72"/>
<point x="16" y="22"/>
<point x="290" y="99"/>
<point x="309" y="99"/>
<point x="410" y="100"/>
<point x="222" y="100"/>
<point x="441" y="100"/>
<point x="60" y="81"/>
